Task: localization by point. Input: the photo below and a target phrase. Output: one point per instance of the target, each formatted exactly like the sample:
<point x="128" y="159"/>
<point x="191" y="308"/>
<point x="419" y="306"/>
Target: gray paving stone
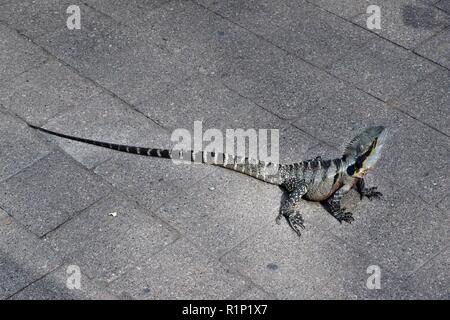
<point x="295" y="146"/>
<point x="416" y="157"/>
<point x="17" y="54"/>
<point x="126" y="11"/>
<point x="243" y="61"/>
<point x="432" y="281"/>
<point x="322" y="41"/>
<point x="48" y="193"/>
<point x="437" y="48"/>
<point x="337" y="119"/>
<point x="105" y="118"/>
<point x="288" y="90"/>
<point x="150" y="181"/>
<point x="44" y="92"/>
<point x="221" y="210"/>
<point x="256" y="118"/>
<point x="429" y="101"/>
<point x="345" y="8"/>
<point x="407" y="22"/>
<point x="400" y="232"/>
<point x="35" y="18"/>
<point x="105" y="246"/>
<point x="24" y="258"/>
<point x="120" y="59"/>
<point x="444" y="203"/>
<point x="180" y="271"/>
<point x="444" y="5"/>
<point x="297" y="26"/>
<point x="283" y="266"/>
<point x="54" y="287"/>
<point x="20" y="146"/>
<point x="382" y="68"/>
<point x="198" y="98"/>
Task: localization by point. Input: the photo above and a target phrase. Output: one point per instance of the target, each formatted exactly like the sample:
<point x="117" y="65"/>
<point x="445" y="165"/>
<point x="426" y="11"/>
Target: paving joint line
<point x="347" y="82"/>
<point x="436" y="7"/>
<point x="16" y="76"/>
<point x="424" y="123"/>
<point x="26" y="167"/>
<point x="378" y="35"/>
<point x="104" y="14"/>
<point x="73" y="215"/>
<point x="151" y="211"/>
<point x="421" y="266"/>
<point x="430" y="38"/>
<point x="33" y="282"/>
<point x="76" y="71"/>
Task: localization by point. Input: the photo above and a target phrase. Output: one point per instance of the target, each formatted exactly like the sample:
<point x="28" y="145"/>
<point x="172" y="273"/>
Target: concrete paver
<point x="382" y="68"/>
<point x="49" y="192"/>
<point x="112" y="236"/>
<point x="180" y="271"/>
<point x="437" y="48"/>
<point x="147" y="228"/>
<point x="407" y="22"/>
<point x="44" y="92"/>
<point x="17" y="55"/>
<point x="24" y="258"/>
<point x="20" y="146"/>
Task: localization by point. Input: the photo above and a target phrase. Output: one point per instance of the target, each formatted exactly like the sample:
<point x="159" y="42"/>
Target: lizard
<point x="317" y="179"/>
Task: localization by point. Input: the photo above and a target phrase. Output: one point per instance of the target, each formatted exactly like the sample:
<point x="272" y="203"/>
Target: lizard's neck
<point x="349" y="168"/>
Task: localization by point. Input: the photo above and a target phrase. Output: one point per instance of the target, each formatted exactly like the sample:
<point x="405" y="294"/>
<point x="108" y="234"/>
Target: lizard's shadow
<point x="349" y="202"/>
<point x="285" y="194"/>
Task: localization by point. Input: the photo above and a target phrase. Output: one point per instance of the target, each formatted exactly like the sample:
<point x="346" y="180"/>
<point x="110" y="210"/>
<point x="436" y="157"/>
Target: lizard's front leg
<point x="334" y="204"/>
<point x="289" y="211"/>
<point x="367" y="192"/>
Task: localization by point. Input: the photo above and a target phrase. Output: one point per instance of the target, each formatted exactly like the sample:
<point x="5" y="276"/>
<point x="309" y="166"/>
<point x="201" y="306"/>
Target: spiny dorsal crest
<point x="360" y="142"/>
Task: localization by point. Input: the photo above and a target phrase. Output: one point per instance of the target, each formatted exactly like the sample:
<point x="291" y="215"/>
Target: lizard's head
<point x="364" y="150"/>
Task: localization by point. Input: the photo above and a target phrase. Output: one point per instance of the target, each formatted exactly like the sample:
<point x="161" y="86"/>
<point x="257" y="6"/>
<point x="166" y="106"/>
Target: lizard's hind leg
<point x="370" y="193"/>
<point x="289" y="210"/>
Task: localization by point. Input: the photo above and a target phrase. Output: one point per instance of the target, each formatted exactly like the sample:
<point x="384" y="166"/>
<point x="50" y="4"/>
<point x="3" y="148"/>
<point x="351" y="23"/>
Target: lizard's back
<point x="322" y="177"/>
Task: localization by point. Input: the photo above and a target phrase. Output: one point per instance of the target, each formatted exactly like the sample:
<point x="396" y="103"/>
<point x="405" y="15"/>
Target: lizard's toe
<point x="278" y="218"/>
<point x="296" y="222"/>
<point x="372" y="193"/>
<point x="345" y="216"/>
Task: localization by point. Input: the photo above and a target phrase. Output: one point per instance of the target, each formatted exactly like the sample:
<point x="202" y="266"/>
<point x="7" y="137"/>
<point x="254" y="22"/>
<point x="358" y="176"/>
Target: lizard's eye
<point x="359" y="163"/>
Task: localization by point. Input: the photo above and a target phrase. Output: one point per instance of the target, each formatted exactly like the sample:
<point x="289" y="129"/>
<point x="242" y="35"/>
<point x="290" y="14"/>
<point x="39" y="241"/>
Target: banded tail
<point x="265" y="171"/>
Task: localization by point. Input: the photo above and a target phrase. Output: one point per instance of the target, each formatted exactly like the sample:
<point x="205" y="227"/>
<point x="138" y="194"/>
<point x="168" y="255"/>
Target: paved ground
<point x="139" y="69"/>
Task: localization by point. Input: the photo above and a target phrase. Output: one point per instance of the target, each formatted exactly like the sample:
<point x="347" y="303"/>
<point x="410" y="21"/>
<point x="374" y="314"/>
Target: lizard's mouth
<point x="375" y="154"/>
<point x="361" y="172"/>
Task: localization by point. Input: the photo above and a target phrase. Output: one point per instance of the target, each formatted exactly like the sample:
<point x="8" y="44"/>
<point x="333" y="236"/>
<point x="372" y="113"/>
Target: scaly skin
<point x="316" y="180"/>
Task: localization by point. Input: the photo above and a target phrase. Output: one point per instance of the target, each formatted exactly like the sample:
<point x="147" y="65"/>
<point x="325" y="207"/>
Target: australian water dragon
<point x="317" y="179"/>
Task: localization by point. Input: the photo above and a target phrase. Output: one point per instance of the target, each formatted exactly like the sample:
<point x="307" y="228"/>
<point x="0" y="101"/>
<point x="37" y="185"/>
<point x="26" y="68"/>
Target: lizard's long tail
<point x="265" y="171"/>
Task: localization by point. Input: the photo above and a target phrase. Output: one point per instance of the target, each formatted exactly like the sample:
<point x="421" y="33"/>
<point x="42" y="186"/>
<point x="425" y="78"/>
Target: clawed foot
<point x="296" y="222"/>
<point x="371" y="193"/>
<point x="341" y="215"/>
<point x="278" y="218"/>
